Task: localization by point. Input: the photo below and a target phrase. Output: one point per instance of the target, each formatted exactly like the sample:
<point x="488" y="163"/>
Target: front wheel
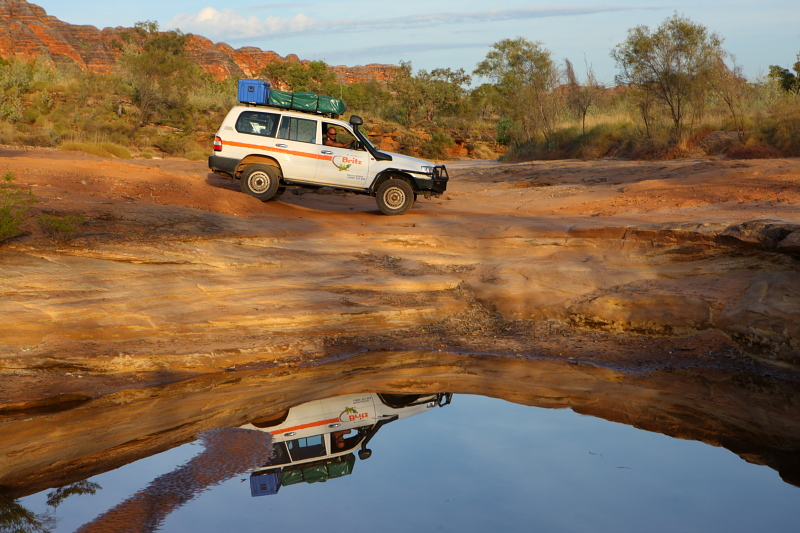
<point x="395" y="197"/>
<point x="260" y="181"/>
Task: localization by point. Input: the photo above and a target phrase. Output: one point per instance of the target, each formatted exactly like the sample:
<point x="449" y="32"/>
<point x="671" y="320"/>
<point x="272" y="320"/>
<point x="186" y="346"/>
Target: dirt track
<point x="634" y="265"/>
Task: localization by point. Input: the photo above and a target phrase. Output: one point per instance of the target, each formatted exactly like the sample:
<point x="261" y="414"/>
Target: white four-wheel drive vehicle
<point x="269" y="149"/>
<point x="316" y="441"/>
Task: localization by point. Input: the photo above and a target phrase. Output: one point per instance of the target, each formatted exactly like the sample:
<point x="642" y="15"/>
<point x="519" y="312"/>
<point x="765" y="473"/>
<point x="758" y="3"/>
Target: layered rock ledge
<point x="660" y="294"/>
<point x="175" y="273"/>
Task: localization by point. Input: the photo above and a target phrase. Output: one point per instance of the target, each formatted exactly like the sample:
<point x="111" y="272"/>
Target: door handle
<point x="334" y="425"/>
<point x="290" y="434"/>
<point x="279" y="145"/>
<point x="327" y="152"/>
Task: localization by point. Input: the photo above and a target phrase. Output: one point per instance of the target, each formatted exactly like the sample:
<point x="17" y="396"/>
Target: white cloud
<point x="230" y="24"/>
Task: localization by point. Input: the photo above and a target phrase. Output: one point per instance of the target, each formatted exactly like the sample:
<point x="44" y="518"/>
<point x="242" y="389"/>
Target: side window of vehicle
<point x="306" y="448"/>
<point x="298" y="129"/>
<point x="343" y="136"/>
<point x="257" y="123"/>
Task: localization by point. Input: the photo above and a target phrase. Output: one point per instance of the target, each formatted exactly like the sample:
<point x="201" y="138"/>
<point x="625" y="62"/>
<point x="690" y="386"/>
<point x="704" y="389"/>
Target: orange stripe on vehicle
<point x="306" y="426"/>
<point x="278" y="150"/>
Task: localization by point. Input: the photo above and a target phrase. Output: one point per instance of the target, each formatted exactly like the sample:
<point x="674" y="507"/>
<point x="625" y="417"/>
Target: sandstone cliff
<point x="28" y="32"/>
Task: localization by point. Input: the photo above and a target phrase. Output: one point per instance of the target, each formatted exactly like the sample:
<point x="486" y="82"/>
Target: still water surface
<point x="481" y="464"/>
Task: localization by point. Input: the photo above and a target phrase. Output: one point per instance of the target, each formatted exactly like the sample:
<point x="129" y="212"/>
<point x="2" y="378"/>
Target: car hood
<point x="408" y="162"/>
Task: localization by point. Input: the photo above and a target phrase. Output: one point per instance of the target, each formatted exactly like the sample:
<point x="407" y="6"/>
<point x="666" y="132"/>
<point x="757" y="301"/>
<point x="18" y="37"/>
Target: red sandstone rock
<point x="27" y="32"/>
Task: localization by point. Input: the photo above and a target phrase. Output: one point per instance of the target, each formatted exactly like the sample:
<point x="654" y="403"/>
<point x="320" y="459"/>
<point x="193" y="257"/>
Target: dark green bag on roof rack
<point x="310" y="102"/>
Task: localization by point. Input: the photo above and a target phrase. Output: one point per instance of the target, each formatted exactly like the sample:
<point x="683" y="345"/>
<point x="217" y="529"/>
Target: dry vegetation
<point x="159" y="102"/>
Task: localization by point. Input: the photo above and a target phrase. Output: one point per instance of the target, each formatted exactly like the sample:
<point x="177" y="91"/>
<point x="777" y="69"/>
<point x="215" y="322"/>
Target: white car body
<point x="306" y="439"/>
<point x="269" y="149"/>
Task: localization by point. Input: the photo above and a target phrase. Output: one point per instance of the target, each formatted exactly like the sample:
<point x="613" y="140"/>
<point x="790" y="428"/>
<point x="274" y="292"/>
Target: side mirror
<point x="364" y="454"/>
<point x="355" y="120"/>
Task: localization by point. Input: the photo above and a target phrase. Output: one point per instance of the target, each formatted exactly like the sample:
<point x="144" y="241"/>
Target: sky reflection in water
<point x="482" y="464"/>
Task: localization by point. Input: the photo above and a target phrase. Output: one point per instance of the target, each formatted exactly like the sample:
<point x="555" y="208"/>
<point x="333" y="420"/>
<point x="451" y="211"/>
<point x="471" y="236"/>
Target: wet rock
<point x="791" y="243"/>
<point x="656" y="314"/>
<point x="176" y="273"/>
<point x="764" y="234"/>
<point x="764" y="319"/>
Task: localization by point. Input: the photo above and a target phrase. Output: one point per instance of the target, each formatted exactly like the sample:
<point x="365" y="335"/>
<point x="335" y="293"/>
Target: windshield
<point x="365" y="140"/>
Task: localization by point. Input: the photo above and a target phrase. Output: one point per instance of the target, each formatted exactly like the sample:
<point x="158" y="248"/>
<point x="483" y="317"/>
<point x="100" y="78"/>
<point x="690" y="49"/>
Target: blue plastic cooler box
<point x="254" y="92"/>
<point x="264" y="484"/>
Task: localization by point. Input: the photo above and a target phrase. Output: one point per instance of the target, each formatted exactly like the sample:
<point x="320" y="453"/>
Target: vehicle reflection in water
<point x="553" y="457"/>
<point x="310" y="443"/>
<point x="314" y="442"/>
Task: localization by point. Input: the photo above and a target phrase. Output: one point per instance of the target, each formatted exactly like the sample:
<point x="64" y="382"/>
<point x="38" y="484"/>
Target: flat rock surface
<point x="176" y="273"/>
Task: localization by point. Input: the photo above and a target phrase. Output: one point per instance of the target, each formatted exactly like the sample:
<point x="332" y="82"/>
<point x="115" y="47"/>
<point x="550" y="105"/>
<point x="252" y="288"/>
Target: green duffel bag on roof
<point x="280" y="99"/>
<point x="310" y="102"/>
<point x="328" y="104"/>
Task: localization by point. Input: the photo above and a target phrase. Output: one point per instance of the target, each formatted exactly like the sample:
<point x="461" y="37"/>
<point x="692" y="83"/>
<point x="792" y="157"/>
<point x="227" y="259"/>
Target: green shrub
<point x="103" y="149"/>
<point x="14" y="204"/>
<point x="11" y="107"/>
<point x="60" y="227"/>
<point x="505" y="131"/>
<point x="116" y="150"/>
<point x="176" y="145"/>
<point x="483" y="152"/>
<point x="436" y="147"/>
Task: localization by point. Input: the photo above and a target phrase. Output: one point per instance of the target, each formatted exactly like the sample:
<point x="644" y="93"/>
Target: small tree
<point x="442" y="91"/>
<point x="486" y="100"/>
<point x="581" y="98"/>
<point x="160" y="73"/>
<point x="14" y="204"/>
<point x="788" y="81"/>
<point x="313" y="76"/>
<point x="17" y="79"/>
<point x="674" y="64"/>
<point x="428" y="95"/>
<point x="526" y="76"/>
<point x="731" y="86"/>
<point x="407" y="91"/>
<point x="367" y="96"/>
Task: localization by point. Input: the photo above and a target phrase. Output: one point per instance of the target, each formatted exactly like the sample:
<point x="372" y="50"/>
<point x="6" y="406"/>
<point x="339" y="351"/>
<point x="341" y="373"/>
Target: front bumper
<point x="435" y="181"/>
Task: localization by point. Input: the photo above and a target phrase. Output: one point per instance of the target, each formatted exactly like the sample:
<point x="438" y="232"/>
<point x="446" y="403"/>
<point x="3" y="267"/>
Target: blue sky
<point x="453" y="33"/>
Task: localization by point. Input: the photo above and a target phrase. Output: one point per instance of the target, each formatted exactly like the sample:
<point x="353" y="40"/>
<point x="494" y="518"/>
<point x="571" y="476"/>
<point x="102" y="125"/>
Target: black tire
<point x="271" y="421"/>
<point x="395" y="197"/>
<point x="278" y="194"/>
<point x="260" y="181"/>
<point x="398" y="401"/>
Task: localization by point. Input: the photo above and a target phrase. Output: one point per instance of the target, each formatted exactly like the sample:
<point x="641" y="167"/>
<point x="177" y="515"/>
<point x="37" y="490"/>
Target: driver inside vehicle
<point x="330" y="138"/>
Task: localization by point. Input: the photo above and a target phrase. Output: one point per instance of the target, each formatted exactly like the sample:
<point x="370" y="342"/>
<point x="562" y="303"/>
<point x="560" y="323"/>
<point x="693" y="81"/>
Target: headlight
<point x="428" y="170"/>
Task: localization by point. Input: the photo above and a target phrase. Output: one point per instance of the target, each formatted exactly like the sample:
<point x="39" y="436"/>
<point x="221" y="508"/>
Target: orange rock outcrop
<point x="27" y="32"/>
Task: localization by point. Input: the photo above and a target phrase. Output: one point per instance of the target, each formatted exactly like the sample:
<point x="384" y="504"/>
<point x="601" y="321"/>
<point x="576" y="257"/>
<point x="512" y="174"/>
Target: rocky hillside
<point x="28" y="32"/>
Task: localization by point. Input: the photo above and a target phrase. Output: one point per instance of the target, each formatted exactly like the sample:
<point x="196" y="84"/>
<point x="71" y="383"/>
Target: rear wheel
<point x="260" y="181"/>
<point x="271" y="421"/>
<point x="278" y="193"/>
<point x="395" y="197"/>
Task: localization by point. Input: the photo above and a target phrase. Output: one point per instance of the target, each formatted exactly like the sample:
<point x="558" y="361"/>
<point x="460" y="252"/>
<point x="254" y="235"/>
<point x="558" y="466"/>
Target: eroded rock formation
<point x="27" y="32"/>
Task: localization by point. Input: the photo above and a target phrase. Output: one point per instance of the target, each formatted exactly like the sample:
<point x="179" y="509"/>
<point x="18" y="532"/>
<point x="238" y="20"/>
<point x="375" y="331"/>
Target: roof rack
<point x="259" y="93"/>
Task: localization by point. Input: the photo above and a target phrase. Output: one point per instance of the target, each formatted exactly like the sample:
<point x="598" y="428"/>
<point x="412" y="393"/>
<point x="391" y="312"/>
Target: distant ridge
<point x="28" y="32"/>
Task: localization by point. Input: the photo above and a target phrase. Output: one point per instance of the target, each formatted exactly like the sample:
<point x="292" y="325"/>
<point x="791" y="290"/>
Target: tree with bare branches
<point x="581" y="98"/>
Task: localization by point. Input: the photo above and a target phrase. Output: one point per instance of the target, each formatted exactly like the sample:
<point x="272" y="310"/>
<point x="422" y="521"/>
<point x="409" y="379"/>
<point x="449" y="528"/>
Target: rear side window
<point x="257" y="123"/>
<point x="298" y="129"/>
